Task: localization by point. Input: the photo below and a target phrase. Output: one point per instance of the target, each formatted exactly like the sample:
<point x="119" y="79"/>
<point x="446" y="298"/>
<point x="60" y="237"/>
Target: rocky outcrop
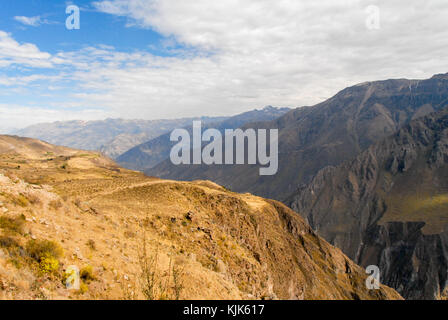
<point x="389" y="207"/>
<point x="414" y="263"/>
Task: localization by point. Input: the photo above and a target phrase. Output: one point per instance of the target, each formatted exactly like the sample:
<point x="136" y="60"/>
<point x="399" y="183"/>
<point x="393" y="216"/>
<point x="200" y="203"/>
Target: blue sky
<point x="49" y="34"/>
<point x="155" y="59"/>
<point x="97" y="27"/>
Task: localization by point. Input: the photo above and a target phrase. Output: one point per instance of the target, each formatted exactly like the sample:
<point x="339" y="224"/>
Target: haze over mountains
<point x="111" y="136"/>
<point x="329" y="133"/>
<point x="151" y="153"/>
<point x="114" y="137"/>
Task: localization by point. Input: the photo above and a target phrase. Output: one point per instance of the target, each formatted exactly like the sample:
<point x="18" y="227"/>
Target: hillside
<point x="389" y="207"/>
<point x="149" y="154"/>
<point x="336" y="130"/>
<point x="61" y="207"/>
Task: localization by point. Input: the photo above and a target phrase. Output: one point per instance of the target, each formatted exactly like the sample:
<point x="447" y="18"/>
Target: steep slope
<point x="122" y="229"/>
<point x="112" y="136"/>
<point x="150" y="153"/>
<point x="329" y="133"/>
<point x="389" y="207"/>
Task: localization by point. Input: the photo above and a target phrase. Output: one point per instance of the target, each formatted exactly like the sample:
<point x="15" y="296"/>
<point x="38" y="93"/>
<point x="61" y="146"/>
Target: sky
<point x="153" y="59"/>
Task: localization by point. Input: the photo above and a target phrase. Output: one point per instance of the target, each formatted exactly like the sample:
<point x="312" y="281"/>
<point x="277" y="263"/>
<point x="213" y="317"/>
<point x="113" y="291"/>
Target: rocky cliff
<point x="389" y="207"/>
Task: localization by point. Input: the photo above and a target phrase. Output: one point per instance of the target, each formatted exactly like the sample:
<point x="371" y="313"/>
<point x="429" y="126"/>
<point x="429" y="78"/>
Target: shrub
<point x="86" y="273"/>
<point x="12" y="224"/>
<point x="148" y="277"/>
<point x="21" y="200"/>
<point x="48" y="265"/>
<point x="55" y="204"/>
<point x="155" y="284"/>
<point x="12" y="247"/>
<point x="83" y="288"/>
<point x="39" y="249"/>
<point x="7" y="242"/>
<point x="178" y="284"/>
<point x="15" y="251"/>
<point x="129" y="234"/>
<point x="91" y="244"/>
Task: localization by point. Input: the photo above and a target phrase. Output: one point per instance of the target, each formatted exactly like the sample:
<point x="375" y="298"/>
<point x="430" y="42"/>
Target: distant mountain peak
<point x="441" y="76"/>
<point x="272" y="108"/>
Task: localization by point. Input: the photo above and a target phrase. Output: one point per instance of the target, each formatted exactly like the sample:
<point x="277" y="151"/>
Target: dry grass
<point x="233" y="246"/>
<point x="156" y="284"/>
<point x="14" y="225"/>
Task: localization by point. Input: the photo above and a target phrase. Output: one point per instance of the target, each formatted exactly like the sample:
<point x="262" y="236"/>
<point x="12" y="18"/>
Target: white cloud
<point x="283" y="52"/>
<point x="247" y="53"/>
<point x="31" y="21"/>
<point x="27" y="80"/>
<point x="26" y="54"/>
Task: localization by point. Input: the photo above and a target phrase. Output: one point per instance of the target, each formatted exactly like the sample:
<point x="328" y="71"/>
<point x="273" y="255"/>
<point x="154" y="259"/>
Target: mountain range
<point x="367" y="169"/>
<point x="136" y="144"/>
<point x="328" y="133"/>
<point x="135" y="237"/>
<point x="149" y="154"/>
<point x="111" y="136"/>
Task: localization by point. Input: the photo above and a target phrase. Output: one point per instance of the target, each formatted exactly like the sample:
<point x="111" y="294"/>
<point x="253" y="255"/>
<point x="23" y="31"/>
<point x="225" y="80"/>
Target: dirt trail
<point x="132" y="186"/>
